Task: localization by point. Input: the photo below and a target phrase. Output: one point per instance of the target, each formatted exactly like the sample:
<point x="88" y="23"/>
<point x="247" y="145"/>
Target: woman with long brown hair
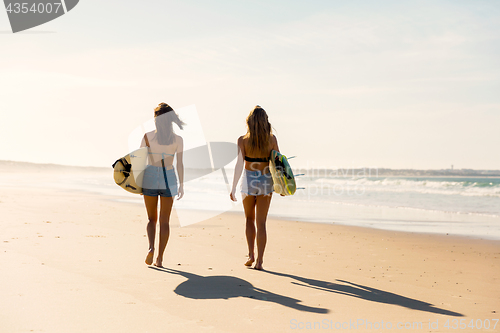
<point x="159" y="177"/>
<point x="254" y="149"/>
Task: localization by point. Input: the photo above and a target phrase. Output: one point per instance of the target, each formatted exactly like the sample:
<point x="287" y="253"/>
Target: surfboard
<point x="129" y="170"/>
<point x="283" y="179"/>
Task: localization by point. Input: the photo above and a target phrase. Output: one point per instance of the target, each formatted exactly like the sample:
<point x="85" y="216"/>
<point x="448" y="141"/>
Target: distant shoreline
<point x="334" y="173"/>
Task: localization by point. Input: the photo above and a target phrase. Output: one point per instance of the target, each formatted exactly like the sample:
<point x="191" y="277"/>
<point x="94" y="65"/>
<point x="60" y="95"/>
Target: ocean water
<point x="468" y="206"/>
<point x="445" y="205"/>
<point x="445" y="194"/>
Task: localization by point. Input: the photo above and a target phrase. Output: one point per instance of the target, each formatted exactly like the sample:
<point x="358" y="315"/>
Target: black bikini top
<point x="256" y="159"/>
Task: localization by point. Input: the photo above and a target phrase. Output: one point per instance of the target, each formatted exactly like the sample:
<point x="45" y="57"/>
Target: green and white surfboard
<point x="283" y="179"/>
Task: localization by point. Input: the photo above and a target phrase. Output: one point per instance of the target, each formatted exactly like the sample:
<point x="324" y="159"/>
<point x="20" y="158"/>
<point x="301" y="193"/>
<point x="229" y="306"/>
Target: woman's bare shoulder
<point x="178" y="140"/>
<point x="148" y="136"/>
<point x="241" y="143"/>
<point x="274" y="142"/>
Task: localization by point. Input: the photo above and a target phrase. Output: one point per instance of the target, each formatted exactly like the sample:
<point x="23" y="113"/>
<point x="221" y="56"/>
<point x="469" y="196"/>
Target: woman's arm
<point x="238" y="168"/>
<point x="180" y="166"/>
<point x="145" y="143"/>
<point x="274" y="142"/>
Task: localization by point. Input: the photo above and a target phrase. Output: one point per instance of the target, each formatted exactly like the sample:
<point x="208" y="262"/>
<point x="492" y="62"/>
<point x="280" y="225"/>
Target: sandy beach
<point x="387" y="112"/>
<point x="74" y="262"/>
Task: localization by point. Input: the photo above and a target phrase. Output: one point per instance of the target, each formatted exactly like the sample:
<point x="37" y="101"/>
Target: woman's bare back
<point x="157" y="151"/>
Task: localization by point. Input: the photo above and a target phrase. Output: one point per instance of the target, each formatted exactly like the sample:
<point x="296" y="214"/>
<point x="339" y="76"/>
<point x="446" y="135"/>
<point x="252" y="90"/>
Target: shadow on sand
<point x="367" y="293"/>
<point x="225" y="287"/>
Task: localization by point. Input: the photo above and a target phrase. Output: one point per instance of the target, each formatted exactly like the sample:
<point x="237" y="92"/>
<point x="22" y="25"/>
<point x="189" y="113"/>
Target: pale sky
<point x="392" y="84"/>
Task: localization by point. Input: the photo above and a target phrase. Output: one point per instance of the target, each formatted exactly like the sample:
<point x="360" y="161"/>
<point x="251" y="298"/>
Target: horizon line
<point x="232" y="168"/>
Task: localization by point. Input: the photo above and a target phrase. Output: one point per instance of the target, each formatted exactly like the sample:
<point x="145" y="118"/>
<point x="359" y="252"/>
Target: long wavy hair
<point x="258" y="132"/>
<point x="165" y="116"/>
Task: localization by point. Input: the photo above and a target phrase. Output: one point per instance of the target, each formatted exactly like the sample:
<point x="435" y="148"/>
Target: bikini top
<point x="256" y="159"/>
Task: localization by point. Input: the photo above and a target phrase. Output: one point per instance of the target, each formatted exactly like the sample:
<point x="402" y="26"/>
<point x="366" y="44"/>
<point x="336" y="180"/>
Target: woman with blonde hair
<point x="254" y="149"/>
<point x="159" y="177"/>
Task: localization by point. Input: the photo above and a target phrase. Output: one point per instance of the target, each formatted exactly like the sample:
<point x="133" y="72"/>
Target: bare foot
<point x="159" y="262"/>
<point x="258" y="266"/>
<point x="149" y="257"/>
<point x="249" y="262"/>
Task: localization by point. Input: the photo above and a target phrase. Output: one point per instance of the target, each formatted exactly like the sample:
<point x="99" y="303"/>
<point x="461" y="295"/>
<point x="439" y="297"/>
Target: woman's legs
<point x="256" y="208"/>
<point x="166" y="204"/>
<point x="151" y="208"/>
<point x="262" y="204"/>
<point x="249" y="207"/>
